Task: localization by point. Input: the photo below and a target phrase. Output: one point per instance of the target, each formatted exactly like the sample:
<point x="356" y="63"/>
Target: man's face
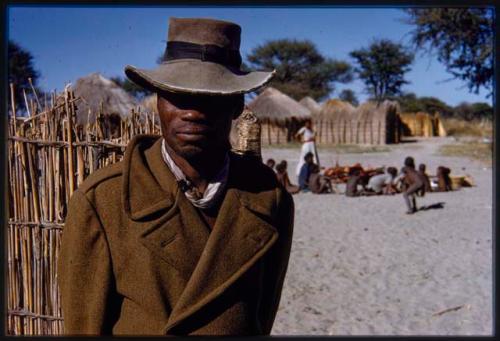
<point x="197" y="125"/>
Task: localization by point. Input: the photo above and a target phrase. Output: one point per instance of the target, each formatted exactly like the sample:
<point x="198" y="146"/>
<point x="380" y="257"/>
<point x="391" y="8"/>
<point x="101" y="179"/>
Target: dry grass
<point x="474" y="150"/>
<point x="457" y="127"/>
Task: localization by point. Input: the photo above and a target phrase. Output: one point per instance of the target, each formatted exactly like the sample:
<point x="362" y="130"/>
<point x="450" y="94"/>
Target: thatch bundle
<point x="100" y="94"/>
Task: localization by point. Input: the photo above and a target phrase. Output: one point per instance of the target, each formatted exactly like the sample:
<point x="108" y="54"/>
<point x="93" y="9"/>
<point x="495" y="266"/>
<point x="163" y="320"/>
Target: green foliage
<point x="472" y="111"/>
<point x="348" y="95"/>
<point x="21" y="68"/>
<point x="300" y="69"/>
<point x="135" y="90"/>
<point x="462" y="38"/>
<point x="409" y="102"/>
<point x="382" y="67"/>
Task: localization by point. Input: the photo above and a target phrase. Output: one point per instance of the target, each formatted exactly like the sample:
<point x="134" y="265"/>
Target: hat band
<point x="209" y="53"/>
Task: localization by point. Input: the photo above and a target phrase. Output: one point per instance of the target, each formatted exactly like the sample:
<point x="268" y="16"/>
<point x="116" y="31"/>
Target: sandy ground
<point x="361" y="266"/>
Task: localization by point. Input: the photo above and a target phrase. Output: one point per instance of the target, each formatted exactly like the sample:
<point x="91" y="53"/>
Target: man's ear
<point x="239" y="106"/>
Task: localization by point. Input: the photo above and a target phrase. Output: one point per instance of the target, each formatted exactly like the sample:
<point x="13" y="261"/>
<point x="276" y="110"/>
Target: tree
<point x="300" y="69"/>
<point x="382" y="67"/>
<point x="135" y="90"/>
<point x="463" y="39"/>
<point x="432" y="104"/>
<point x="349" y="96"/>
<point x="21" y="69"/>
<point x="470" y="111"/>
<point x="409" y="102"/>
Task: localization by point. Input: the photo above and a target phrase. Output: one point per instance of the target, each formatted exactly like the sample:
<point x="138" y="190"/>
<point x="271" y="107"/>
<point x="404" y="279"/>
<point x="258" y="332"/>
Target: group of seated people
<point x="408" y="181"/>
<point x="310" y="178"/>
<point x="391" y="182"/>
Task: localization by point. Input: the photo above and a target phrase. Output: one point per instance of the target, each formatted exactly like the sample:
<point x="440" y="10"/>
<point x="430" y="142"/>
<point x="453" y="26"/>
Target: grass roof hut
<point x="333" y="122"/>
<point x="99" y="93"/>
<point x="422" y="124"/>
<point x="378" y="123"/>
<point x="310" y="104"/>
<point x="280" y="115"/>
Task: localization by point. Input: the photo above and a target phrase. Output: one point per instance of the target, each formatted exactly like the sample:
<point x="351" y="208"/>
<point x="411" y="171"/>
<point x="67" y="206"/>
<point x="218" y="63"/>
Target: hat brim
<point x="199" y="77"/>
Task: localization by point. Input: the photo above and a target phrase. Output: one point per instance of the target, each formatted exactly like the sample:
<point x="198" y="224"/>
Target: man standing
<point x="308" y="144"/>
<point x="182" y="236"/>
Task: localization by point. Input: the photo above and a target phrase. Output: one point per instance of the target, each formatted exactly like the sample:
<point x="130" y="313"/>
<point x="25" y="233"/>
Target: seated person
<point x="270" y="163"/>
<point x="319" y="183"/>
<point x="351" y="187"/>
<point x="283" y="178"/>
<point x="425" y="178"/>
<point x="382" y="183"/>
<point x="444" y="180"/>
<point x="305" y="172"/>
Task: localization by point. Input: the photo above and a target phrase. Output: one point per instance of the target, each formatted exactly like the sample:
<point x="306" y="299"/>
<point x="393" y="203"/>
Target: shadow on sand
<point x="432" y="207"/>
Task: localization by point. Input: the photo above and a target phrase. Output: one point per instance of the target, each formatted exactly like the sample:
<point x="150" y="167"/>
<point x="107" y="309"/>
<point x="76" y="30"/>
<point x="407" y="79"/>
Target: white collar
<point x="214" y="188"/>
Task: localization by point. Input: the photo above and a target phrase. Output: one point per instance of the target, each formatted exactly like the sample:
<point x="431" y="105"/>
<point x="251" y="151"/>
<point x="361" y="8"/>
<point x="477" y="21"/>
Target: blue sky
<point x="71" y="42"/>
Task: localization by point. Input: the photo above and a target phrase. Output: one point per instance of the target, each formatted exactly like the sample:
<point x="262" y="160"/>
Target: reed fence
<point x="48" y="158"/>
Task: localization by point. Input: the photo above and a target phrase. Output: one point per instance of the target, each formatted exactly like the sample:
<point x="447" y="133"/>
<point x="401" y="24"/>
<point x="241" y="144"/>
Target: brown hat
<point x="202" y="56"/>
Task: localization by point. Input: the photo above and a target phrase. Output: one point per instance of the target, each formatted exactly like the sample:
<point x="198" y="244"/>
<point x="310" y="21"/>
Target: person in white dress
<point x="308" y="136"/>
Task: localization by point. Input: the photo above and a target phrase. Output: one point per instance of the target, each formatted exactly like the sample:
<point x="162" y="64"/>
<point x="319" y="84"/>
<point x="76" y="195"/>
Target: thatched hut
<point x="333" y="121"/>
<point x="378" y="123"/>
<point x="280" y="115"/>
<point x="422" y="124"/>
<point x="370" y="123"/>
<point x="100" y="94"/>
<point x="310" y="104"/>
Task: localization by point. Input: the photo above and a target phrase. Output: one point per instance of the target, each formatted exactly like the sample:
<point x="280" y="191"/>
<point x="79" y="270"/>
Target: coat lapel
<point x="242" y="234"/>
<point x="165" y="223"/>
<point x="170" y="227"/>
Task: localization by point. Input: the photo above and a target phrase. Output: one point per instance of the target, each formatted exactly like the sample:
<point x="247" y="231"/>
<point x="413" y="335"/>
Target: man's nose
<point x="195" y="115"/>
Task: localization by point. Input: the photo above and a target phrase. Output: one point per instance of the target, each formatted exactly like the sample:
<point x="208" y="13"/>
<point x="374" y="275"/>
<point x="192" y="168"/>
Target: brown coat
<point x="137" y="258"/>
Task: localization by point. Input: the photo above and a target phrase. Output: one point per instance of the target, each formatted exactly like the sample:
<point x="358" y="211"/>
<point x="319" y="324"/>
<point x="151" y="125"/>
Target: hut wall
<point x="420" y="124"/>
<point x="273" y="134"/>
<point x="371" y="131"/>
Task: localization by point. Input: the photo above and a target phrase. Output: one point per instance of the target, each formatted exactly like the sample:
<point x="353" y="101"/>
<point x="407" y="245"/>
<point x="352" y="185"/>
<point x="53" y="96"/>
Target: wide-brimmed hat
<point x="202" y="56"/>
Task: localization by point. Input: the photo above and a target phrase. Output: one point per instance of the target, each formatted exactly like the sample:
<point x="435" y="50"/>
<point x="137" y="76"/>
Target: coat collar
<point x="171" y="228"/>
<point x="148" y="184"/>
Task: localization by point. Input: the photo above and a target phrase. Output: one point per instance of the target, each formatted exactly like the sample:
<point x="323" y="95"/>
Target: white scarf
<point x="212" y="192"/>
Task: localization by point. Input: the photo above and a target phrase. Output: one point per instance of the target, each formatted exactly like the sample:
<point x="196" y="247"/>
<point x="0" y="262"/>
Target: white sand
<point x="361" y="266"/>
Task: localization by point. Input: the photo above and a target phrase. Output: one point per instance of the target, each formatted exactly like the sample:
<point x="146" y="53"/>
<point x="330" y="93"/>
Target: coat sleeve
<point x="85" y="274"/>
<point x="276" y="263"/>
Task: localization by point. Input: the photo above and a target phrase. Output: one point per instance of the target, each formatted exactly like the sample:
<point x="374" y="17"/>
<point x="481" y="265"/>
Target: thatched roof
<point x="148" y="104"/>
<point x="310" y="104"/>
<point x="274" y="106"/>
<point x="95" y="89"/>
<point x="372" y="111"/>
<point x="334" y="109"/>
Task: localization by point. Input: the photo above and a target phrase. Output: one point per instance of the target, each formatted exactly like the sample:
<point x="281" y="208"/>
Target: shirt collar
<point x="214" y="188"/>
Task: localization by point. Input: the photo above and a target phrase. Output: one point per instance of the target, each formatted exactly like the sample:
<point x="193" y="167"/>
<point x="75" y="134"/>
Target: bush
<point x="460" y="127"/>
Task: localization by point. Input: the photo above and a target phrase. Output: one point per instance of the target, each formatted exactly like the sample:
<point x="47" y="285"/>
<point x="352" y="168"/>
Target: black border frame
<point x="243" y="3"/>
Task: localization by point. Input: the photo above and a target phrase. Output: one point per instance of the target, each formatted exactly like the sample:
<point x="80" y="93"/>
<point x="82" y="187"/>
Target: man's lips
<point x="193" y="132"/>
